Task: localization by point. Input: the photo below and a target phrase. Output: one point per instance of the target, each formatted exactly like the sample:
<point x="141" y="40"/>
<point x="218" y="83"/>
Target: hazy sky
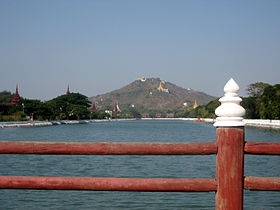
<point x="99" y="46"/>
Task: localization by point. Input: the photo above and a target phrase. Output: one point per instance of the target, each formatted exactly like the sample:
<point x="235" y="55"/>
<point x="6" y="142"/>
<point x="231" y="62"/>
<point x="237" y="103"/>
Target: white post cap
<point x="230" y="113"/>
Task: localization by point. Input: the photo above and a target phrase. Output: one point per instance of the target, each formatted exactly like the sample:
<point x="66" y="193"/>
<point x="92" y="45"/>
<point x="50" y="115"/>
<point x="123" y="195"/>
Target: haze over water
<point x="128" y="166"/>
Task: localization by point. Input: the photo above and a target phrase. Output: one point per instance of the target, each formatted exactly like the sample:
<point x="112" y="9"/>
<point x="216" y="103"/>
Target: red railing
<point x="229" y="183"/>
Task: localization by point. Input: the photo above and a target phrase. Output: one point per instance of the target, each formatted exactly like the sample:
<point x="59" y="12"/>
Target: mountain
<point x="152" y="94"/>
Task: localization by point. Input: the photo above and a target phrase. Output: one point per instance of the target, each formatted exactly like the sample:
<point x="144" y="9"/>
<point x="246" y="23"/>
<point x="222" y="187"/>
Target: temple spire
<point x="16" y="98"/>
<point x="17" y="89"/>
<point x="68" y="91"/>
<point x="195" y="104"/>
<point x="160" y="88"/>
<point x="93" y="107"/>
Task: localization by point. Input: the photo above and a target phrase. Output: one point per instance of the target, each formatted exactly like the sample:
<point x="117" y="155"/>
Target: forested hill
<point x="152" y="94"/>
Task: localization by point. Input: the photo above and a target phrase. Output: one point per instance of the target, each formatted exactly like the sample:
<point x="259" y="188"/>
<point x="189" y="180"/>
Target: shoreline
<point x="248" y="122"/>
<point x="51" y="123"/>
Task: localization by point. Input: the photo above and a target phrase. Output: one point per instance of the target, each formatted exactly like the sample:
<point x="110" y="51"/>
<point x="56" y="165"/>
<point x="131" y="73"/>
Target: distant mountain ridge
<point x="152" y="94"/>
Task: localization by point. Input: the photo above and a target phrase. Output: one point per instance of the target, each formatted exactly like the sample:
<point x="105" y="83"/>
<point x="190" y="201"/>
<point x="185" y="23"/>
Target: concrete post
<point x="230" y="155"/>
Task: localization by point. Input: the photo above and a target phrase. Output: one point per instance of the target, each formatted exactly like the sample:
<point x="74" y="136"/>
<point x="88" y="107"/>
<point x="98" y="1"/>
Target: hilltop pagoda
<point x="161" y="89"/>
<point x="16" y="99"/>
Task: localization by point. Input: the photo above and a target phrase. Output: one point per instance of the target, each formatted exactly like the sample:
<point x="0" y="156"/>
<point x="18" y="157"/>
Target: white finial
<point x="230" y="113"/>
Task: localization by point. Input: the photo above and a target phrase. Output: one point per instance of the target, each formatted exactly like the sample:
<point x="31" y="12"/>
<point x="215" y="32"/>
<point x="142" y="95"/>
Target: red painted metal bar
<point x="262" y="148"/>
<point x="230" y="168"/>
<point x="108" y="184"/>
<point x="262" y="183"/>
<point x="75" y="148"/>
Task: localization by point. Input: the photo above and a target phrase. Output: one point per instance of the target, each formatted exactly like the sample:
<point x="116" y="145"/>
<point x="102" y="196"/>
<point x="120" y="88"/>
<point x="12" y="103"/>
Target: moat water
<point x="129" y="166"/>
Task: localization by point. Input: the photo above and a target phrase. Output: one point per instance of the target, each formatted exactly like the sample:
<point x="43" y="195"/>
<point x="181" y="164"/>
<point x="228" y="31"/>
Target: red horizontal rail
<point x="108" y="184"/>
<point x="262" y="148"/>
<point x="262" y="183"/>
<point x="106" y="148"/>
<point x="130" y="184"/>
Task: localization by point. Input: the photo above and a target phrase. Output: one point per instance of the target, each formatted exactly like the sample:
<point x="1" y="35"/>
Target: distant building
<point x="116" y="109"/>
<point x="145" y="115"/>
<point x="170" y="115"/>
<point x="16" y="99"/>
<point x="158" y="115"/>
<point x="142" y="79"/>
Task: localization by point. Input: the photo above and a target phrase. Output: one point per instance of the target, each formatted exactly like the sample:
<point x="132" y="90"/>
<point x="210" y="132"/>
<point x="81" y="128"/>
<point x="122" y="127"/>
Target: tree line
<point x="263" y="102"/>
<point x="72" y="106"/>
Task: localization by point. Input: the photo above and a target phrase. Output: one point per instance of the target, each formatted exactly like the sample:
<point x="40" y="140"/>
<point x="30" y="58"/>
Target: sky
<point x="99" y="46"/>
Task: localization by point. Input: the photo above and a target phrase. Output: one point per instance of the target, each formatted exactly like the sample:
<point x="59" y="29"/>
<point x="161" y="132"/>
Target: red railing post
<point x="230" y="155"/>
<point x="230" y="168"/>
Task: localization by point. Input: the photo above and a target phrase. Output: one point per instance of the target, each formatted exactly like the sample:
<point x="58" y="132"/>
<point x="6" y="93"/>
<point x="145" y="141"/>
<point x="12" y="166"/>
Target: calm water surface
<point x="129" y="166"/>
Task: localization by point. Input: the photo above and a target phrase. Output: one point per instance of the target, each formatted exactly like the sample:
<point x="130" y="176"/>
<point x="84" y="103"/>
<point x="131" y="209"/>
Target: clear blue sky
<point x="99" y="46"/>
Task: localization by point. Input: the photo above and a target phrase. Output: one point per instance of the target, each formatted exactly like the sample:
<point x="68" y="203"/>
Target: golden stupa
<point x="160" y="88"/>
<point x="195" y="104"/>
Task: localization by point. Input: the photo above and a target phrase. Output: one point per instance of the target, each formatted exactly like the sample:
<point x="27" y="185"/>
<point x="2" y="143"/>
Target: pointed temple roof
<point x="16" y="98"/>
<point x="116" y="109"/>
<point x="93" y="108"/>
<point x="68" y="91"/>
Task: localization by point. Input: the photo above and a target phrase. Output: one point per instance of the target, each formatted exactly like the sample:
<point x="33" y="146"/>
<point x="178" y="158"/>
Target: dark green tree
<point x="256" y="89"/>
<point x="78" y="112"/>
<point x="270" y="103"/>
<point x="251" y="107"/>
<point x="252" y="103"/>
<point x="36" y="108"/>
<point x="204" y="111"/>
<point x="211" y="107"/>
<point x="15" y="109"/>
<point x="70" y="106"/>
<point x="132" y="113"/>
<point x="6" y="97"/>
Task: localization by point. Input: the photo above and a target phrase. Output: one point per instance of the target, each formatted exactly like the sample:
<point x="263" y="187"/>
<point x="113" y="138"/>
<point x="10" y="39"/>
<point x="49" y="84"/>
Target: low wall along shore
<point x="263" y="123"/>
<point x="49" y="123"/>
<point x="248" y="122"/>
